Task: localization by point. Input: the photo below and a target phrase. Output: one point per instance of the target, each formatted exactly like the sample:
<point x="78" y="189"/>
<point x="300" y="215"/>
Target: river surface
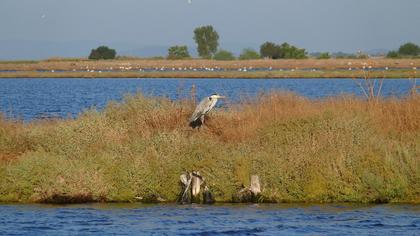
<point x="30" y="99"/>
<point x="168" y="219"/>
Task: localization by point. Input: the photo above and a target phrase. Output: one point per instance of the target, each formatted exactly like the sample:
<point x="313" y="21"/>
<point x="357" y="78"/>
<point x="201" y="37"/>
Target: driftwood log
<point x="191" y="184"/>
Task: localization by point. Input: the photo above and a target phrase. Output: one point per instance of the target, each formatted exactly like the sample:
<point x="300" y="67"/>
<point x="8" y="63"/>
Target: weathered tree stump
<point x="251" y="193"/>
<point x="255" y="185"/>
<point x="191" y="187"/>
<point x="196" y="182"/>
<point x="184" y="197"/>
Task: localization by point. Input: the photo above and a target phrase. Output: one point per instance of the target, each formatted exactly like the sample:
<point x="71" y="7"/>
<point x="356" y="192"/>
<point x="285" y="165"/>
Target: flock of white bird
<point x="130" y="67"/>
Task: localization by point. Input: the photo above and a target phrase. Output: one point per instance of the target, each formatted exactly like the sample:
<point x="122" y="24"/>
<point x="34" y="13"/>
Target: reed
<point x="342" y="149"/>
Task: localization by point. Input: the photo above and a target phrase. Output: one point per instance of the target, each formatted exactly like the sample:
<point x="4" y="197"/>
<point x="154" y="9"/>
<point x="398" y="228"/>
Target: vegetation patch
<point x="342" y="149"/>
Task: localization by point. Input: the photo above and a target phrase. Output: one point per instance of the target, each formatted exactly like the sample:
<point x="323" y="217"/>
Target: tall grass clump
<point x="338" y="149"/>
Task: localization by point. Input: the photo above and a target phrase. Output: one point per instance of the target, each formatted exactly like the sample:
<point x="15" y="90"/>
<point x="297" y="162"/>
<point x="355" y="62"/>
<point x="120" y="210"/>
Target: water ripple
<point x="270" y="219"/>
<point x="39" y="98"/>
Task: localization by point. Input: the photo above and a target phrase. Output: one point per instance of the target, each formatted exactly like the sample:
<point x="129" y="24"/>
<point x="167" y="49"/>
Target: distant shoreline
<point x="209" y="75"/>
<point x="198" y="68"/>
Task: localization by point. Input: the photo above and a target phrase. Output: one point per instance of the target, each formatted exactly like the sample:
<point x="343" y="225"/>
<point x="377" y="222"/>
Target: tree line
<point x="405" y="50"/>
<point x="207" y="40"/>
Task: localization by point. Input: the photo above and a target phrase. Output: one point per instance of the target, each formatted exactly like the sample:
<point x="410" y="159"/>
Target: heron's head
<point x="216" y="96"/>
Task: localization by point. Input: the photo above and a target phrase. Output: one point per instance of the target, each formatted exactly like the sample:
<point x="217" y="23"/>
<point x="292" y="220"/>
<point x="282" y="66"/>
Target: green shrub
<point x="102" y="52"/>
<point x="178" y="52"/>
<point x="392" y="54"/>
<point x="249" y="54"/>
<point x="284" y="51"/>
<point x="324" y="55"/>
<point x="270" y="50"/>
<point x="409" y="49"/>
<point x="291" y="52"/>
<point x="223" y="55"/>
<point x="343" y="55"/>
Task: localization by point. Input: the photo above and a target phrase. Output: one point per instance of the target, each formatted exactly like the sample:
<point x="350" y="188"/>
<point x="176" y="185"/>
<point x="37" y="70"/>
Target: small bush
<point x="285" y="51"/>
<point x="178" y="52"/>
<point x="223" y="55"/>
<point x="343" y="55"/>
<point x="392" y="54"/>
<point x="409" y="49"/>
<point x="102" y="52"/>
<point x="324" y="55"/>
<point x="270" y="50"/>
<point x="249" y="54"/>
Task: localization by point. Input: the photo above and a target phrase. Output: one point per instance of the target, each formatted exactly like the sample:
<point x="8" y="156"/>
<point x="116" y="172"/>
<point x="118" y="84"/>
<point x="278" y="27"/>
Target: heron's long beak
<point x="221" y="96"/>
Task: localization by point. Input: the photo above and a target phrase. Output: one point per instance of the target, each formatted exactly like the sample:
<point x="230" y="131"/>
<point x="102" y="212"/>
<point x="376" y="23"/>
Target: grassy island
<point x="343" y="149"/>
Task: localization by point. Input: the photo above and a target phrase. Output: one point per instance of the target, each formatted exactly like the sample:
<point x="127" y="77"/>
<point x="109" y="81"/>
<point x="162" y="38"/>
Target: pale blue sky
<point x="69" y="28"/>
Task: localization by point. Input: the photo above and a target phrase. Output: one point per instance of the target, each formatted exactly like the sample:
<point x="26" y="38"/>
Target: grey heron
<point x="197" y="118"/>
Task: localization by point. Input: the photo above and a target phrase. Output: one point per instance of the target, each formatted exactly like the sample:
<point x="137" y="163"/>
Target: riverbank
<point x="341" y="149"/>
<point x="197" y="68"/>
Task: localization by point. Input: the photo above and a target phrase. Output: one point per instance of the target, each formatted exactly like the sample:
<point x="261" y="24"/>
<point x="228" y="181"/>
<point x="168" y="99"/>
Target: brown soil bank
<point x="337" y="150"/>
<point x="337" y="68"/>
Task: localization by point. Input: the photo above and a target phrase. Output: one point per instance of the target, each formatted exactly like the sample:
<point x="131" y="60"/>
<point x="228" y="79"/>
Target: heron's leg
<point x="202" y="120"/>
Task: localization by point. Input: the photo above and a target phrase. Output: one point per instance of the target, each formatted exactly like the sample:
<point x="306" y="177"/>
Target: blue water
<point x="137" y="219"/>
<point x="29" y="99"/>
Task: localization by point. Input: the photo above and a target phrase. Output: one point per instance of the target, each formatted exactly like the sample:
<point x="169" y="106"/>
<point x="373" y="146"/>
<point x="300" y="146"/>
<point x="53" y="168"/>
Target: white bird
<point x="204" y="107"/>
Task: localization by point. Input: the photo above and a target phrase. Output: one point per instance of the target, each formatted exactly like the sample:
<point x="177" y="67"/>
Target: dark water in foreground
<point x="137" y="219"/>
<point x="36" y="98"/>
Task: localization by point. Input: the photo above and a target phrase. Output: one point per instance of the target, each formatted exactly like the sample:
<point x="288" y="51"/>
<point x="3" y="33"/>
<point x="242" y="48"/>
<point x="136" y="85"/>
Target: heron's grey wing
<point x="199" y="110"/>
<point x="197" y="114"/>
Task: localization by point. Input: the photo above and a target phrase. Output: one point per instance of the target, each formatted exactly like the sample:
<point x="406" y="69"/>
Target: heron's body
<point x="204" y="107"/>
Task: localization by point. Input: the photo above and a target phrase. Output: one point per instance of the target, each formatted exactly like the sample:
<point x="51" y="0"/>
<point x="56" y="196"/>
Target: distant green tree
<point x="270" y="50"/>
<point x="178" y="52"/>
<point x="249" y="54"/>
<point x="207" y="40"/>
<point x="223" y="55"/>
<point x="291" y="52"/>
<point x="409" y="49"/>
<point x="287" y="51"/>
<point x="324" y="55"/>
<point x="392" y="54"/>
<point x="102" y="52"/>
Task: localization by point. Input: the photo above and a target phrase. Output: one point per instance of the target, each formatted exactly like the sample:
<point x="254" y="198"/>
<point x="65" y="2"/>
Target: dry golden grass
<point x="338" y="149"/>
